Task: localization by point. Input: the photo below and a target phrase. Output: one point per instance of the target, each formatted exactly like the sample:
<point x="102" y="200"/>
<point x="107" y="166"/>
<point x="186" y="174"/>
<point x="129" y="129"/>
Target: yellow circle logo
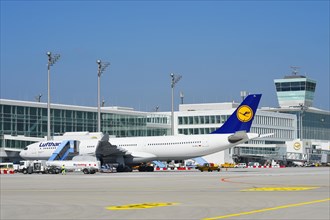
<point x="296" y="146"/>
<point x="244" y="113"/>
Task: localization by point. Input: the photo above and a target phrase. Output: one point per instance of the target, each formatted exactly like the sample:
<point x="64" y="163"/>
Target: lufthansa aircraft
<point x="131" y="151"/>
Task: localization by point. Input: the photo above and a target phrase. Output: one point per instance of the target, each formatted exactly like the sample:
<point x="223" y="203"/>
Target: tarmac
<point x="265" y="193"/>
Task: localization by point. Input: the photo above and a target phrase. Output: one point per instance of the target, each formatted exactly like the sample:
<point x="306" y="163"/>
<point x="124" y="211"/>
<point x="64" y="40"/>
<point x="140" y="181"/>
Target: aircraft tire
<point x="128" y="169"/>
<point x="86" y="171"/>
<point x="142" y="168"/>
<point x="120" y="168"/>
<point x="150" y="169"/>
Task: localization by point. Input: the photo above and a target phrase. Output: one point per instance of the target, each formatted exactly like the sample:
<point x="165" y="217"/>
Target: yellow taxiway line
<point x="267" y="209"/>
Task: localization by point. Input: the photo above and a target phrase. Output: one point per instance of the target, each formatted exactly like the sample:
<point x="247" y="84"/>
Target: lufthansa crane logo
<point x="244" y="113"/>
<point x="296" y="146"/>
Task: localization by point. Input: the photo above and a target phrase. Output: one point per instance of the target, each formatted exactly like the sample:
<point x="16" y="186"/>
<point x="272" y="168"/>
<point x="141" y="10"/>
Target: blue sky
<point x="219" y="47"/>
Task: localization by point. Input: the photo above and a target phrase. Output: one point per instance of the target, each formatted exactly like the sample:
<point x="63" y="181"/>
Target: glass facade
<point x="204" y="120"/>
<point x="133" y="126"/>
<point x="259" y="151"/>
<point x="295" y="86"/>
<point x="315" y="126"/>
<point x="294" y="91"/>
<point x="282" y="127"/>
<point x="16" y="144"/>
<point x="31" y="121"/>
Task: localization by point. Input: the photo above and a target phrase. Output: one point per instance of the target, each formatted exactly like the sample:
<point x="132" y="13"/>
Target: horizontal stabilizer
<point x="238" y="136"/>
<point x="266" y="135"/>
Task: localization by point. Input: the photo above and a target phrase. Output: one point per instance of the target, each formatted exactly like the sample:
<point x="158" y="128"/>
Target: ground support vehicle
<point x="87" y="167"/>
<point x="172" y="165"/>
<point x="325" y="159"/>
<point x="7" y="168"/>
<point x="108" y="168"/>
<point x="208" y="167"/>
<point x="33" y="166"/>
<point x="253" y="164"/>
<point x="227" y="165"/>
<point x="55" y="167"/>
<point x="191" y="164"/>
<point x="240" y="165"/>
<point x="145" y="167"/>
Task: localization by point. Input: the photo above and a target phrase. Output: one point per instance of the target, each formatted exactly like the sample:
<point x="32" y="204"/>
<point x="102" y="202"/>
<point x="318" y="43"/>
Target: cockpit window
<point x="25" y="148"/>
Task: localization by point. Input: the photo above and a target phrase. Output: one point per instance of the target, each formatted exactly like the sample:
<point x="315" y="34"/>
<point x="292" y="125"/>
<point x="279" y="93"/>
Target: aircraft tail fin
<point x="242" y="117"/>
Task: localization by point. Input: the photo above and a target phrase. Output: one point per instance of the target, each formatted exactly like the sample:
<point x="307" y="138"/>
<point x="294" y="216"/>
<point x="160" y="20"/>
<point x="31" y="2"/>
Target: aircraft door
<point x="76" y="147"/>
<point x="35" y="150"/>
<point x="142" y="146"/>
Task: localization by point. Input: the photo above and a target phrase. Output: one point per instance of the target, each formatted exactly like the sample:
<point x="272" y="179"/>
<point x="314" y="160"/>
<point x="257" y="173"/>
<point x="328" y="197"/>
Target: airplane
<point x="131" y="151"/>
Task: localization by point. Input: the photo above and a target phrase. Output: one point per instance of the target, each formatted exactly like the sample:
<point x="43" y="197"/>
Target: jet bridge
<point x="63" y="150"/>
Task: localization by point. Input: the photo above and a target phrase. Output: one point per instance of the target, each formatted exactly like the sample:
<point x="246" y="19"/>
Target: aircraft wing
<point x="105" y="148"/>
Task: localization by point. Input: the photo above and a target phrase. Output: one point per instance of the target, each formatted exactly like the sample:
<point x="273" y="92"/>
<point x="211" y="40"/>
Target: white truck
<point x="87" y="167"/>
<point x="55" y="167"/>
<point x="33" y="166"/>
<point x="325" y="159"/>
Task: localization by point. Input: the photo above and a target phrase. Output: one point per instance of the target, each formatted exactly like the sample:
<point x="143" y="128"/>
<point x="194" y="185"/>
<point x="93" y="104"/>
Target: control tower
<point x="295" y="90"/>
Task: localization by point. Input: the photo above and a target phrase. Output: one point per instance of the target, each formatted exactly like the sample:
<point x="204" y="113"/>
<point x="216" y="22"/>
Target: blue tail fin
<point x="242" y="117"/>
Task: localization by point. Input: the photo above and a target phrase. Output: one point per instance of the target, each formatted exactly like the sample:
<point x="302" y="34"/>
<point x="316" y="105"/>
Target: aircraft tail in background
<point x="242" y="117"/>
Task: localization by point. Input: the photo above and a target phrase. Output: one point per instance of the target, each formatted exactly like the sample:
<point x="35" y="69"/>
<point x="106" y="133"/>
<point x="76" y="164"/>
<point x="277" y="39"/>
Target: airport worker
<point x="63" y="169"/>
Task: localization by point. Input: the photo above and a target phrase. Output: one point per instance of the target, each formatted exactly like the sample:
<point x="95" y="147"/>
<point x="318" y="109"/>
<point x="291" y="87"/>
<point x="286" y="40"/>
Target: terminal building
<point x="23" y="123"/>
<point x="300" y="131"/>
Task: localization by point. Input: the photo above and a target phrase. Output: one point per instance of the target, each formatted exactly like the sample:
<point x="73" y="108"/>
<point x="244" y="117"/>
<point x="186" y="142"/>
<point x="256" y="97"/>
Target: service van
<point x="253" y="164"/>
<point x="6" y="167"/>
<point x="240" y="165"/>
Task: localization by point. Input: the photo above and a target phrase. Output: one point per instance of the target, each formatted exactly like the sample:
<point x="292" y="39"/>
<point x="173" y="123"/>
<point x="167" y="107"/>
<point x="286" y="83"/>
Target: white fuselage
<point x="43" y="150"/>
<point x="151" y="148"/>
<point x="175" y="147"/>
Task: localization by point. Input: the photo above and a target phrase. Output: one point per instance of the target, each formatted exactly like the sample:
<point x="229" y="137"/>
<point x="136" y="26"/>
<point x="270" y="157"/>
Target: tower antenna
<point x="295" y="69"/>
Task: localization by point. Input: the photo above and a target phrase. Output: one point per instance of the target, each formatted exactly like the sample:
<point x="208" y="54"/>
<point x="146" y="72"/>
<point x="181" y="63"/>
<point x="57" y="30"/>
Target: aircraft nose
<point x="22" y="153"/>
